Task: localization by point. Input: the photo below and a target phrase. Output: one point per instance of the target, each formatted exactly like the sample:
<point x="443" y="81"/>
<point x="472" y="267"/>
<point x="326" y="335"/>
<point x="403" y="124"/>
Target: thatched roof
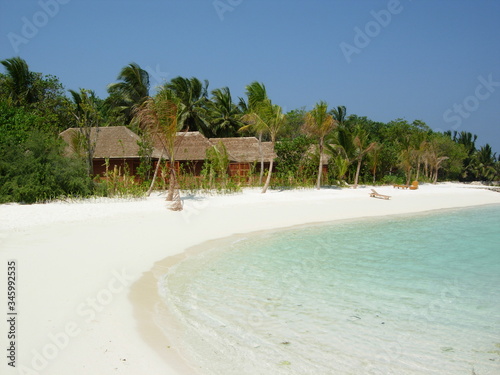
<point x="120" y="142"/>
<point x="113" y="142"/>
<point x="245" y="149"/>
<point x="191" y="146"/>
<point x="268" y="151"/>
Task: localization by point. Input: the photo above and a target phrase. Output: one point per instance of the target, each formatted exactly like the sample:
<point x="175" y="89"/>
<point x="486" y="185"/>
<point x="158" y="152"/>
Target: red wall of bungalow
<point x="122" y="165"/>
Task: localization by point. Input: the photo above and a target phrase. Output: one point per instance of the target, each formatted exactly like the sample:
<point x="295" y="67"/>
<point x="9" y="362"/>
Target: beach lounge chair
<point x="414" y="185"/>
<point x="397" y="186"/>
<point x="374" y="194"/>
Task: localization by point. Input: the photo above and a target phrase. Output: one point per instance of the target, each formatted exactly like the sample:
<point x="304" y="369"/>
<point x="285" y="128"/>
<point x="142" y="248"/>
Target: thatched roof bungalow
<point x="190" y="150"/>
<point x="244" y="152"/>
<point x="118" y="144"/>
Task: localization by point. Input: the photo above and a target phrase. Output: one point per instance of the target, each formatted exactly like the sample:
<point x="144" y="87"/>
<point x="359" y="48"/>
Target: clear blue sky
<point x="437" y="61"/>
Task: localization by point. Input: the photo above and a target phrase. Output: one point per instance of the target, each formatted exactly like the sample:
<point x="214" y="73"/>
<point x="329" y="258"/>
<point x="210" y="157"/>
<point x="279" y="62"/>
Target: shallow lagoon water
<point x="394" y="295"/>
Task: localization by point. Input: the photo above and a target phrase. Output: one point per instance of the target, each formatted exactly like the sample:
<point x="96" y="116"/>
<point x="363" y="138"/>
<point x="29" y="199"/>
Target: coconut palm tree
<point x="88" y="120"/>
<point x="483" y="163"/>
<point x="467" y="139"/>
<point x="159" y="117"/>
<point x="256" y="95"/>
<point x="192" y="97"/>
<point x="373" y="161"/>
<point x="362" y="146"/>
<point x="131" y="91"/>
<point x="340" y="146"/>
<point x="339" y="114"/>
<point x="434" y="158"/>
<point x="223" y="113"/>
<point x="19" y="81"/>
<point x="268" y="119"/>
<point x="318" y="124"/>
<point x="352" y="145"/>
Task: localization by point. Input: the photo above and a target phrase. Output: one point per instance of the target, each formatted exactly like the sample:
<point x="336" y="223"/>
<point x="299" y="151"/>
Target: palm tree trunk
<point x="358" y="168"/>
<point x="320" y="168"/>
<point x="171" y="183"/>
<point x="261" y="153"/>
<point x="150" y="190"/>
<point x="268" y="179"/>
<point x="173" y="192"/>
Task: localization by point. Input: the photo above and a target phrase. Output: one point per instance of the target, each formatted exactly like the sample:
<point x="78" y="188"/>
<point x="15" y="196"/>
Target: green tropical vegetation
<point x="318" y="147"/>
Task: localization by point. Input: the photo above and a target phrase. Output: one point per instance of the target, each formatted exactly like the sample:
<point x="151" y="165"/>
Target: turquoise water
<point x="396" y="295"/>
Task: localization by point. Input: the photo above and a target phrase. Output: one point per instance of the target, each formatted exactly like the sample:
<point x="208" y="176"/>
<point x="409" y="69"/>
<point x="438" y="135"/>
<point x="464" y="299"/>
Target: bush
<point x="293" y="167"/>
<point x="37" y="171"/>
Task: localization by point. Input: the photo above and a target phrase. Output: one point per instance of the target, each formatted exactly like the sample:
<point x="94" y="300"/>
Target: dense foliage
<point x="36" y="170"/>
<point x="35" y="108"/>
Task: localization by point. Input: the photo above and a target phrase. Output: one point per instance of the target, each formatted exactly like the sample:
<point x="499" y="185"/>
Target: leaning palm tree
<point x="266" y="119"/>
<point x="192" y="95"/>
<point x="131" y="91"/>
<point x="19" y="81"/>
<point x="158" y="116"/>
<point x="318" y="124"/>
<point x="224" y="115"/>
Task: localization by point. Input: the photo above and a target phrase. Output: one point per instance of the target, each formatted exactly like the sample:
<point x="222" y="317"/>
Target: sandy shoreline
<point x="87" y="270"/>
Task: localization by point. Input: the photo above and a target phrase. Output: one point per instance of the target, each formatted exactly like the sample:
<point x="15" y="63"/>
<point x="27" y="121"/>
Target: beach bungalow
<point x="116" y="144"/>
<point x="119" y="146"/>
<point x="243" y="153"/>
<point x="190" y="150"/>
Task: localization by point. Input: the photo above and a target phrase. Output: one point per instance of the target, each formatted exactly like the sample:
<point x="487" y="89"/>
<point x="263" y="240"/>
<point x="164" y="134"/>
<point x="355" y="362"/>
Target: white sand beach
<point x="85" y="286"/>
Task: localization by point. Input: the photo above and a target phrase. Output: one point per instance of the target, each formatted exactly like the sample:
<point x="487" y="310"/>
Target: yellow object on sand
<point x="413" y="186"/>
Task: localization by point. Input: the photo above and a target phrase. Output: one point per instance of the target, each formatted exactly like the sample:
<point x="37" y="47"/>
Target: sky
<point x="433" y="60"/>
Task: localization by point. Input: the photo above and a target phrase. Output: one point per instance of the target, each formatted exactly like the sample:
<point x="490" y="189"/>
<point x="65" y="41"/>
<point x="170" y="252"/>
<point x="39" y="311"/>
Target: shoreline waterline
<point x="156" y="336"/>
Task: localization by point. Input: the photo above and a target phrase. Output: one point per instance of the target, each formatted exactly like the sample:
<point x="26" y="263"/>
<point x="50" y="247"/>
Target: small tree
<point x="216" y="164"/>
<point x="362" y="147"/>
<point x="268" y="119"/>
<point x="145" y="152"/>
<point x="318" y="124"/>
<point x="290" y="154"/>
<point x="158" y="115"/>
